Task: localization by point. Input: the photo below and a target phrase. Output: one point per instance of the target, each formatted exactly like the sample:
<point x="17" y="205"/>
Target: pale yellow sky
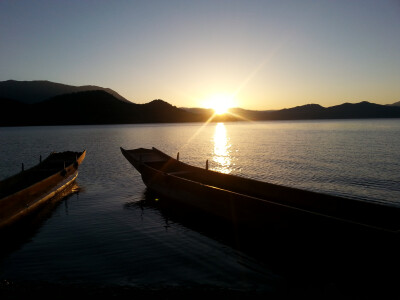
<point x="268" y="54"/>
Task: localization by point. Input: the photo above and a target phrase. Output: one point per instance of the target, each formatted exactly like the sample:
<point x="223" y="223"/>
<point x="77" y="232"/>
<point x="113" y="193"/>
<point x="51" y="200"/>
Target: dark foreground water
<point x="110" y="237"/>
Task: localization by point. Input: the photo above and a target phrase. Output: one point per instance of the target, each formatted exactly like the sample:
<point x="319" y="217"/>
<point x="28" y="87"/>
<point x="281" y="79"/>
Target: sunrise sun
<point x="220" y="103"/>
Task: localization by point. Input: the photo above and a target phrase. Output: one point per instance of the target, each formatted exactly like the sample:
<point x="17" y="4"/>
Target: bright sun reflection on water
<point x="222" y="150"/>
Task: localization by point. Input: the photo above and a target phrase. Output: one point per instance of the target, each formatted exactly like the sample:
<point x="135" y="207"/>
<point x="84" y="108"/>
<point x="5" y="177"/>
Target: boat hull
<point x="282" y="208"/>
<point x="249" y="213"/>
<point x="23" y="202"/>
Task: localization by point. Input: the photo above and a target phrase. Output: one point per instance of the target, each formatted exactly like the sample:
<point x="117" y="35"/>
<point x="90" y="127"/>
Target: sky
<point x="262" y="54"/>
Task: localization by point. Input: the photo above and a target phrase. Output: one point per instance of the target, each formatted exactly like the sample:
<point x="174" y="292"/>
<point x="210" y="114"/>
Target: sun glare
<point x="220" y="103"/>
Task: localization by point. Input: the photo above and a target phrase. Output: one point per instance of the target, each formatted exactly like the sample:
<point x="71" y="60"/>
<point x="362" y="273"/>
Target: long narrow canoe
<point x="26" y="191"/>
<point x="257" y="204"/>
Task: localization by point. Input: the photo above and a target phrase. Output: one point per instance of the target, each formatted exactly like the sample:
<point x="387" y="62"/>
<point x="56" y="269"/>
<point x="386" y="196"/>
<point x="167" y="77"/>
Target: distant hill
<point x="395" y="104"/>
<point x="252" y="115"/>
<point x="24" y="103"/>
<point x="40" y="90"/>
<point x="235" y="113"/>
<point x="90" y="107"/>
<point x="360" y="110"/>
<point x="207" y="113"/>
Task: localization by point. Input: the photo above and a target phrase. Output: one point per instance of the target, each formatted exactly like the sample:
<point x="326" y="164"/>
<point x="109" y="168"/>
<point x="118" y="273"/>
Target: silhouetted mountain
<point x="198" y="110"/>
<point x="91" y="107"/>
<point x="253" y="115"/>
<point x="208" y="113"/>
<point x="40" y="90"/>
<point x="235" y="113"/>
<point x="308" y="111"/>
<point x="100" y="107"/>
<point x="360" y="110"/>
<point x="314" y="111"/>
<point x="12" y="112"/>
<point x="395" y="104"/>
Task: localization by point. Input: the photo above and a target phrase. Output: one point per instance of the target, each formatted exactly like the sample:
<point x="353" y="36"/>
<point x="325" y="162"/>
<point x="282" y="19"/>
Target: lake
<point x="106" y="234"/>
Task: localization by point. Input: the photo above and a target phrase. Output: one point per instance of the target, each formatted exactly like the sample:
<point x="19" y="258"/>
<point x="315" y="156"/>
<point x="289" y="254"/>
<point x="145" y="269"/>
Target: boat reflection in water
<point x="221" y="155"/>
<point x="21" y="232"/>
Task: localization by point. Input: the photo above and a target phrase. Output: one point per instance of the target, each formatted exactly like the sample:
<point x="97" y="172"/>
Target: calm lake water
<point x="107" y="234"/>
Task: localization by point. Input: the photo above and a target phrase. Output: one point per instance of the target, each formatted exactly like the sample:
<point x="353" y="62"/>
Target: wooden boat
<point x="26" y="191"/>
<point x="260" y="205"/>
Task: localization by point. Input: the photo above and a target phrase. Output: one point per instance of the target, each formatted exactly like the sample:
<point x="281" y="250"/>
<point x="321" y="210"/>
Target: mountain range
<point x="25" y="103"/>
<point x="40" y="90"/>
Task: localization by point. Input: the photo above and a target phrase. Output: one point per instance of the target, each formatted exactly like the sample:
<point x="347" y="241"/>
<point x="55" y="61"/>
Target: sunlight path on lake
<point x="222" y="150"/>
